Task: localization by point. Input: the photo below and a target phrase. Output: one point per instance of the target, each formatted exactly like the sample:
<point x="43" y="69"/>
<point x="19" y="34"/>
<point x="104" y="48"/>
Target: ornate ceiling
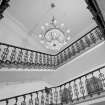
<point x="32" y="14"/>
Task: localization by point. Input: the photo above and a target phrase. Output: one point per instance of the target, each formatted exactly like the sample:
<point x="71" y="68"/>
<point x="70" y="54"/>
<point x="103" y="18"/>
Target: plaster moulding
<point x="15" y="21"/>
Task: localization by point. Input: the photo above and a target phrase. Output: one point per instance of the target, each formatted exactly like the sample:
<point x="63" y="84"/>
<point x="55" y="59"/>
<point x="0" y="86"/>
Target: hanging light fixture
<point x="54" y="36"/>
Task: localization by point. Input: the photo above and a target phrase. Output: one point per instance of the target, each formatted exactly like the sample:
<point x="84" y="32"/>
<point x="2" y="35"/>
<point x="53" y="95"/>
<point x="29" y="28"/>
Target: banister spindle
<point x="36" y="58"/>
<point x="73" y="50"/>
<point x="5" y="53"/>
<point x="93" y="37"/>
<point x="82" y="90"/>
<point x="70" y="92"/>
<point x="56" y="96"/>
<point x="19" y="57"/>
<point x="98" y="33"/>
<point x="31" y="57"/>
<point x="60" y="94"/>
<point x="40" y="59"/>
<point x="42" y="97"/>
<point x="47" y="99"/>
<point x="87" y="41"/>
<point x="13" y="55"/>
<point x="96" y="84"/>
<point x="7" y="101"/>
<point x="26" y="57"/>
<point x="76" y="92"/>
<point x="51" y="97"/>
<point x="82" y="44"/>
<point x="31" y="100"/>
<point x="23" y="102"/>
<point x="78" y="47"/>
<point x="16" y="100"/>
<point x="102" y="77"/>
<point x="87" y="84"/>
<point x="37" y="99"/>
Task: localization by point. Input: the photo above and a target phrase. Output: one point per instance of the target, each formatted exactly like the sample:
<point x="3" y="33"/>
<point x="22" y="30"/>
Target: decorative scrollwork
<point x="87" y="41"/>
<point x="42" y="99"/>
<point x="82" y="90"/>
<point x="56" y="96"/>
<point x="5" y="54"/>
<point x="70" y="92"/>
<point x="94" y="85"/>
<point x="77" y="47"/>
<point x="76" y="92"/>
<point x="65" y="96"/>
<point x="36" y="58"/>
<point x="37" y="100"/>
<point x="16" y="100"/>
<point x="23" y="102"/>
<point x="93" y="37"/>
<point x="31" y="57"/>
<point x="73" y="50"/>
<point x="51" y="98"/>
<point x="102" y="78"/>
<point x="19" y="57"/>
<point x="30" y="102"/>
<point x="82" y="43"/>
<point x="26" y="57"/>
<point x="13" y="55"/>
<point x="47" y="99"/>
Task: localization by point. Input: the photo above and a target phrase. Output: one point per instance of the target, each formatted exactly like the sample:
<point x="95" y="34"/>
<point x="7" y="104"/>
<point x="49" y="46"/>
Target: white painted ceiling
<point x="32" y="14"/>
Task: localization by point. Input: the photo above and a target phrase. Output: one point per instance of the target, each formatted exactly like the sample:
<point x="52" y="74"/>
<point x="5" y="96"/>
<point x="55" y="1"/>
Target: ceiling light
<point x="46" y="24"/>
<point x="55" y="21"/>
<point x="68" y="38"/>
<point x="54" y="37"/>
<point x="40" y="35"/>
<point x="62" y="25"/>
<point x="42" y="27"/>
<point x="68" y="31"/>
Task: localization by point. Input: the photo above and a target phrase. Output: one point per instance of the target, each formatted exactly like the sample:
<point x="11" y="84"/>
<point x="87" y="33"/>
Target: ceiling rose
<point x="54" y="36"/>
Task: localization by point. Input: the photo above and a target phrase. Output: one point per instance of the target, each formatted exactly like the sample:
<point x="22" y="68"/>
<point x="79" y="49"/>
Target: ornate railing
<point x="95" y="10"/>
<point x="12" y="56"/>
<point x="84" y="87"/>
<point x="89" y="40"/>
<point x="17" y="57"/>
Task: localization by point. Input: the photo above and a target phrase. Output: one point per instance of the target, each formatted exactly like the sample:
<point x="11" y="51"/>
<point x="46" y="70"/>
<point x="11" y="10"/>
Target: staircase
<point x="17" y="57"/>
<point x="81" y="90"/>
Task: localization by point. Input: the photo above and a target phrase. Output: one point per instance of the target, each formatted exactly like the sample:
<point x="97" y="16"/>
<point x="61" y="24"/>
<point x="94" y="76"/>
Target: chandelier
<point x="54" y="36"/>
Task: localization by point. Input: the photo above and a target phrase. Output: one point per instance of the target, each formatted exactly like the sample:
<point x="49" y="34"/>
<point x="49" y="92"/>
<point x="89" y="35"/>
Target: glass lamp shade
<point x="54" y="36"/>
<point x="54" y="45"/>
<point x="54" y="39"/>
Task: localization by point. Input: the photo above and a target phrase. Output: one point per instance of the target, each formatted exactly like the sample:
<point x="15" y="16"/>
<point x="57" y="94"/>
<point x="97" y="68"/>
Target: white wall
<point x="82" y="64"/>
<point x="13" y="32"/>
<point x="20" y="88"/>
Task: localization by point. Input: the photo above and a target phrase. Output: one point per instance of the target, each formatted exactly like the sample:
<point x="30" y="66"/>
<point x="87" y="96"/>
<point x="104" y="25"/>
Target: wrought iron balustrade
<point x="89" y="40"/>
<point x="89" y="86"/>
<point x="17" y="57"/>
